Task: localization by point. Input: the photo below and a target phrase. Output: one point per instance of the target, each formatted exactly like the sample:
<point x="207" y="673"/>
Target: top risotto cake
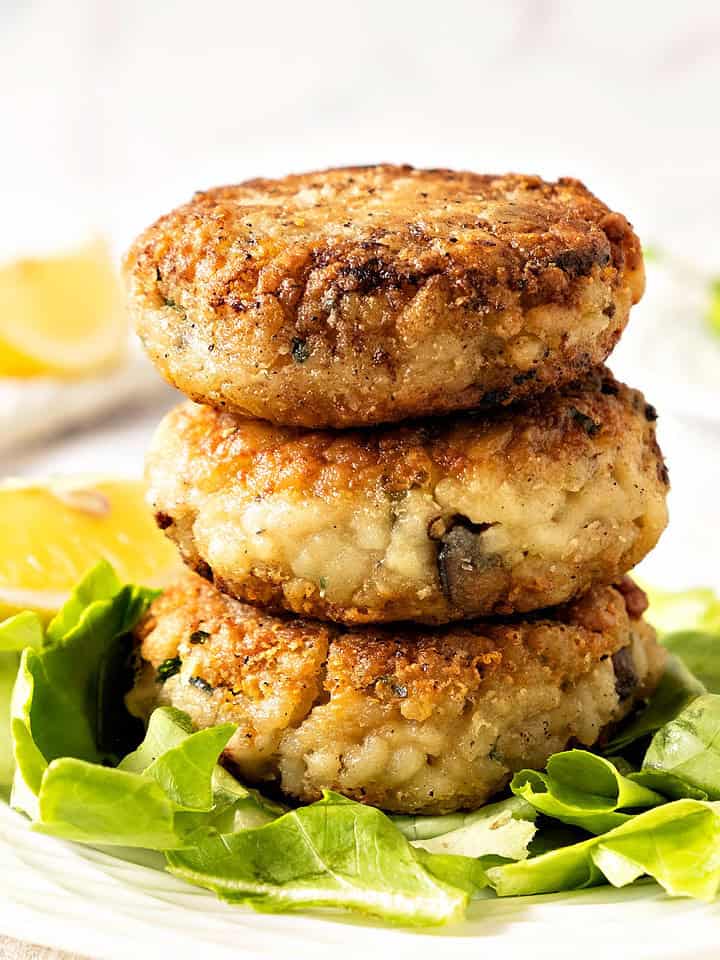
<point x="371" y="294"/>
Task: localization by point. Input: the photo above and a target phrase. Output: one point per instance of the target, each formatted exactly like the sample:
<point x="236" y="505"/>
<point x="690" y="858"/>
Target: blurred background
<point x="113" y="113"/>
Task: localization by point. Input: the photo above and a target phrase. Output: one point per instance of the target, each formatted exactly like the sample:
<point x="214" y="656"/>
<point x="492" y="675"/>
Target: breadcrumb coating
<point x="410" y="719"/>
<point x="373" y="294"/>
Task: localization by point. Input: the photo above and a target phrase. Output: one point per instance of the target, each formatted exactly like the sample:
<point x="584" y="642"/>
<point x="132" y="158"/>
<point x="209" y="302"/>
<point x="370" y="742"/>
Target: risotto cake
<point x="413" y="719"/>
<point x="365" y="295"/>
<point x="434" y="521"/>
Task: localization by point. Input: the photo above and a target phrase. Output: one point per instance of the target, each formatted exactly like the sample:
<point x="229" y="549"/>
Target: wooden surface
<point x="14" y="950"/>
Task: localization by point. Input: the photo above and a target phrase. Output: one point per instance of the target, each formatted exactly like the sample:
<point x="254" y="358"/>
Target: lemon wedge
<point x="55" y="531"/>
<point x="61" y="316"/>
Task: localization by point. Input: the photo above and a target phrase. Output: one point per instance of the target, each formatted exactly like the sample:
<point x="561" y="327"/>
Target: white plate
<point x="81" y="899"/>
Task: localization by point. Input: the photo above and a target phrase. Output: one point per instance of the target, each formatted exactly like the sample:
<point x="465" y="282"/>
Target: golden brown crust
<point x="432" y="521"/>
<point x="244" y="644"/>
<point x="364" y="295"/>
<point x="297" y="687"/>
<point x="289" y="651"/>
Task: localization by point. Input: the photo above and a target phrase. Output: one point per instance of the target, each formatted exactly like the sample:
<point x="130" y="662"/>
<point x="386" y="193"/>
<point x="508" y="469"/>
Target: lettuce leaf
<point x="688" y="748"/>
<point x="161" y="798"/>
<point x="67" y="779"/>
<point x="700" y="653"/>
<point x="583" y="790"/>
<point x="677" y="844"/>
<point x="23" y="630"/>
<point x="59" y="701"/>
<point x="466" y="873"/>
<point x="167" y="794"/>
<point x="713" y="311"/>
<point x="333" y="853"/>
<point x="427" y="826"/>
<point x="668" y="784"/>
<point x="502" y="829"/>
<point x="16" y="633"/>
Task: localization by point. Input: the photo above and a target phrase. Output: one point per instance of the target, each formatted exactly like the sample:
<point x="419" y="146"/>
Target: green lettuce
<point x="163" y="796"/>
<point x="677" y="844"/>
<point x="583" y="790"/>
<point x="700" y="653"/>
<point x="333" y="853"/>
<point x="502" y="829"/>
<point x="22" y="630"/>
<point x="669" y="785"/>
<point x="67" y="712"/>
<point x="688" y="624"/>
<point x="64" y="692"/>
<point x="16" y="633"/>
<point x="688" y="747"/>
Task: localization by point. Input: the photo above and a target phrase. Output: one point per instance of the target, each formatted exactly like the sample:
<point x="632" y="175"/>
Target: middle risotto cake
<point x="410" y="719"/>
<point x="502" y="512"/>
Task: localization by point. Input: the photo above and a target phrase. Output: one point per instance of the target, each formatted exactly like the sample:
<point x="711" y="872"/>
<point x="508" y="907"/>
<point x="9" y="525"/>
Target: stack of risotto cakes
<point x="407" y="486"/>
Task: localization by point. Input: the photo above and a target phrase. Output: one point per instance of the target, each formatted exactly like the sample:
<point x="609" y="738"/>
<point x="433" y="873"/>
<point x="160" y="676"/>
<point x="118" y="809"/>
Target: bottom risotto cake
<point x="410" y="719"/>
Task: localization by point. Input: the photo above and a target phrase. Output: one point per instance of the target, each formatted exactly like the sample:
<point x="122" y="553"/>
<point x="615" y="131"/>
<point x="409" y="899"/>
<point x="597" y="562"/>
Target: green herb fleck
<point x="587" y="423"/>
<point x="300" y="350"/>
<point x="652" y="254"/>
<point x="168" y="668"/>
<point x="323" y="586"/>
<point x="201" y="684"/>
<point x="495" y="754"/>
<point x="199" y="636"/>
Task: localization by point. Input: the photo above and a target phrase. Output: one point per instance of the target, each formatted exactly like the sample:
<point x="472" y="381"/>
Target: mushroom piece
<point x="471" y="578"/>
<point x="626" y="678"/>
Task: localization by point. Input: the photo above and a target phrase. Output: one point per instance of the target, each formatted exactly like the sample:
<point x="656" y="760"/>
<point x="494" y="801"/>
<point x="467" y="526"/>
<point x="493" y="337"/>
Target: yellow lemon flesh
<point x="52" y="533"/>
<point x="61" y="316"/>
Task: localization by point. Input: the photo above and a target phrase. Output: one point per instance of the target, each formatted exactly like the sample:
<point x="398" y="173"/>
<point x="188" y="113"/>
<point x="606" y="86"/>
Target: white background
<point x="113" y="112"/>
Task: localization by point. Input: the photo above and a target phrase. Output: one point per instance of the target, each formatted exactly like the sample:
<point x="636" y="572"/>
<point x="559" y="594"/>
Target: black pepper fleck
<point x="300" y="350"/>
<point x="583" y="420"/>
